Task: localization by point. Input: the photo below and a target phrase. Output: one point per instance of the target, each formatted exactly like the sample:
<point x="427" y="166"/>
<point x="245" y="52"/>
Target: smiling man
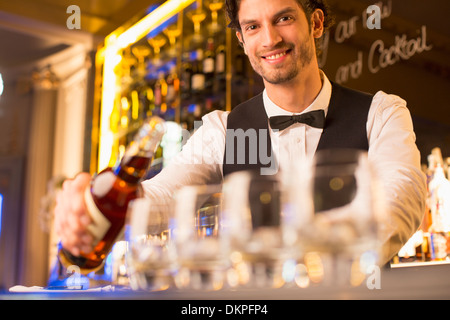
<point x="280" y="46"/>
<point x="280" y="38"/>
<point x="299" y="112"/>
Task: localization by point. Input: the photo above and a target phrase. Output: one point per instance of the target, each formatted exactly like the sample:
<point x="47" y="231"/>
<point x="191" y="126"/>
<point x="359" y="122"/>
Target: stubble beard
<point x="284" y="72"/>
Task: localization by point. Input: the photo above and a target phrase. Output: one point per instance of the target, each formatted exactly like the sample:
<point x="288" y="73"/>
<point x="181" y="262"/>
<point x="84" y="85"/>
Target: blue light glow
<point x="1" y="209"/>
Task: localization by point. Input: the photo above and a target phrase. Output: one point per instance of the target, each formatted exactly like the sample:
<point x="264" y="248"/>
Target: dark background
<point x="423" y="80"/>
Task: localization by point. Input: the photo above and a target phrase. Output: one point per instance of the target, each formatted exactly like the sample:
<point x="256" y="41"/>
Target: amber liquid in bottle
<point x="110" y="192"/>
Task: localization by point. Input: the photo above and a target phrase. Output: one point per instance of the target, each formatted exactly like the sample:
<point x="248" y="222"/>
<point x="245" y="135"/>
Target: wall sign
<point x="382" y="54"/>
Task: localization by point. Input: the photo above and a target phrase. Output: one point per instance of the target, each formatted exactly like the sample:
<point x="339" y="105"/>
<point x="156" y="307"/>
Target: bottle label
<point x="198" y="81"/>
<point x="220" y="63"/>
<point x="208" y="65"/>
<point x="439" y="245"/>
<point x="99" y="225"/>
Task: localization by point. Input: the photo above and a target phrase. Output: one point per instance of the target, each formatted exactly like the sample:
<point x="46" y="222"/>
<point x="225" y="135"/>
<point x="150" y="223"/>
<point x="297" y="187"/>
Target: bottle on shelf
<point x="198" y="76"/>
<point x="439" y="203"/>
<point x="209" y="66"/>
<point x="161" y="93"/>
<point x="173" y="88"/>
<point x="423" y="248"/>
<point x="220" y="70"/>
<point x="109" y="193"/>
<point x="185" y="76"/>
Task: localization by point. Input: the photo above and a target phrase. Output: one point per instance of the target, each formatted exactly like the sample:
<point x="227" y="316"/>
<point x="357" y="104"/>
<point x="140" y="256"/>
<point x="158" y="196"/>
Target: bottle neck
<point x="137" y="158"/>
<point x="132" y="169"/>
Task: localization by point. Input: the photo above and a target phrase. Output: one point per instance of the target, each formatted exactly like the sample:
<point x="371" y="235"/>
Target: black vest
<point x="248" y="129"/>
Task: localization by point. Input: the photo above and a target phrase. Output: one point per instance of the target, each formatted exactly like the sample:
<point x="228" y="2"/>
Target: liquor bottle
<point x="220" y="76"/>
<point x="198" y="77"/>
<point x="161" y="93"/>
<point x="185" y="76"/>
<point x="109" y="193"/>
<point x="239" y="62"/>
<point x="173" y="87"/>
<point x="426" y="219"/>
<point x="427" y="252"/>
<point x="439" y="201"/>
<point x="209" y="66"/>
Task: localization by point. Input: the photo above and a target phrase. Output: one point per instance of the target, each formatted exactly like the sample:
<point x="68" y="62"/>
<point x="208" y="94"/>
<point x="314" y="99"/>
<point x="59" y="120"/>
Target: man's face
<point x="276" y="37"/>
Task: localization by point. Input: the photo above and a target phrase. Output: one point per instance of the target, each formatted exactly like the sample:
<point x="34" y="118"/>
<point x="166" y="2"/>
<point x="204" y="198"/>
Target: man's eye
<point x="283" y="19"/>
<point x="251" y="27"/>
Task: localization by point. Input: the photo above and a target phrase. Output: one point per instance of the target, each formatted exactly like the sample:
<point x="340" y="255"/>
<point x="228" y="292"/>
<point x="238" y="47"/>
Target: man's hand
<point x="71" y="217"/>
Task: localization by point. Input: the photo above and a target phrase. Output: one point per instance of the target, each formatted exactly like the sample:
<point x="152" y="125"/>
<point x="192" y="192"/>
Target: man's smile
<point x="276" y="56"/>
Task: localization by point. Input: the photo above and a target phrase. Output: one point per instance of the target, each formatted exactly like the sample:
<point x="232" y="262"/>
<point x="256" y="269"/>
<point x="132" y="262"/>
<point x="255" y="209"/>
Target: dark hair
<point x="308" y="6"/>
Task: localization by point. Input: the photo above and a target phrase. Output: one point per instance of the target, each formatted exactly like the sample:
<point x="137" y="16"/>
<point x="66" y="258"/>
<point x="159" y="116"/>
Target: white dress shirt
<point x="392" y="150"/>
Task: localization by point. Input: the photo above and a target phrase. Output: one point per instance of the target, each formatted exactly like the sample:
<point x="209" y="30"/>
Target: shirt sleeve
<point x="393" y="151"/>
<point x="199" y="161"/>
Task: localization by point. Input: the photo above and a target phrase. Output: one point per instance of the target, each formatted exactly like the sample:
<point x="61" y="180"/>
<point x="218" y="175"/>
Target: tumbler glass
<point x="344" y="228"/>
<point x="259" y="230"/>
<point x="151" y="260"/>
<point x="201" y="246"/>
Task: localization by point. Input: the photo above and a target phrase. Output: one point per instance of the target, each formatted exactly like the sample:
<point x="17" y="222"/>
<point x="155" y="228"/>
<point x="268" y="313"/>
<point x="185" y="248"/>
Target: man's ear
<point x="317" y="19"/>
<point x="241" y="40"/>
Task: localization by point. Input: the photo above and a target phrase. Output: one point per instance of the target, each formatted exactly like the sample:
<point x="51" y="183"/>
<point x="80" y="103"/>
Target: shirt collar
<point x="321" y="102"/>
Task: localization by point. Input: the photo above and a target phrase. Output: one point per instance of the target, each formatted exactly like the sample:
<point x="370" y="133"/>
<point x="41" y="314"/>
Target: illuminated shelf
<point x="107" y="59"/>
<point x="419" y="264"/>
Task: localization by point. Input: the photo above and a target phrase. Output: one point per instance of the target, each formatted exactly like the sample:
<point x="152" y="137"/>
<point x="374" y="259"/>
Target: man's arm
<point x="393" y="151"/>
<point x="199" y="162"/>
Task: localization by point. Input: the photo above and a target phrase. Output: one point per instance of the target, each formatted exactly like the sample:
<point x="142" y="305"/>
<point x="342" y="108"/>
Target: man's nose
<point x="271" y="36"/>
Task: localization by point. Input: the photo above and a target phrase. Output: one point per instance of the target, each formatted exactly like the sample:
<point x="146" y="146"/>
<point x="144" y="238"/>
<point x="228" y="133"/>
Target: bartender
<point x="280" y="38"/>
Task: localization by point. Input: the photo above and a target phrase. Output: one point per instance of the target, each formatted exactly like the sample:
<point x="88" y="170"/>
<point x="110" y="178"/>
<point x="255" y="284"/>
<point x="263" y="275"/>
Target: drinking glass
<point x="259" y="231"/>
<point x="150" y="256"/>
<point x="214" y="6"/>
<point x="141" y="52"/>
<point x="173" y="32"/>
<point x="201" y="246"/>
<point x="197" y="16"/>
<point x="127" y="63"/>
<point x="342" y="224"/>
<point x="157" y="42"/>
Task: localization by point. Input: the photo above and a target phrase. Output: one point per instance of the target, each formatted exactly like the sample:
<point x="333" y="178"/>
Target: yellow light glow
<point x="125" y="103"/>
<point x="134" y="105"/>
<point x="164" y="88"/>
<point x="150" y="95"/>
<point x="151" y="21"/>
<point x="163" y="107"/>
<point x="106" y="138"/>
<point x="114" y="44"/>
<point x="124" y="121"/>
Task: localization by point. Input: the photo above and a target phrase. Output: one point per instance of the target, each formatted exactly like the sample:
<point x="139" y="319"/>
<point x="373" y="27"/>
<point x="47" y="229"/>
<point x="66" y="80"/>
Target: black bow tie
<point x="314" y="118"/>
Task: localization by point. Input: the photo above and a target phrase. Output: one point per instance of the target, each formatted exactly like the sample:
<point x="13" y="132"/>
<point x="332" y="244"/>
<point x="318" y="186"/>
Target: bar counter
<point x="431" y="282"/>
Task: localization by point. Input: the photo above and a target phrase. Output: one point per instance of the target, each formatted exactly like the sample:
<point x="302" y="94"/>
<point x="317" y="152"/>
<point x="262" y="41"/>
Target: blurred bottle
<point x="173" y="88"/>
<point x="423" y="249"/>
<point x="209" y="66"/>
<point x="185" y="76"/>
<point x="439" y="203"/>
<point x="109" y="193"/>
<point x="198" y="76"/>
<point x="161" y="93"/>
<point x="220" y="74"/>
